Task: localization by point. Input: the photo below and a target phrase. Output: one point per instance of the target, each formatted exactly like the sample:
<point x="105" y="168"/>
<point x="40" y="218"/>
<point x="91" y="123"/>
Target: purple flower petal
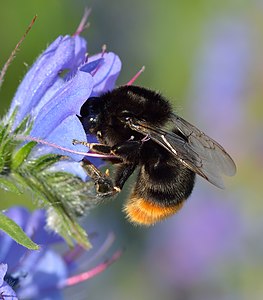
<point x="53" y="99"/>
<point x="38" y="271"/>
<point x="106" y="74"/>
<point x="69" y="129"/>
<point x="36" y="223"/>
<point x="10" y="251"/>
<point x="57" y="57"/>
<point x="73" y="167"/>
<point x="3" y="269"/>
<point x="67" y="101"/>
<point x="6" y="292"/>
<point x="92" y="66"/>
<point x="45" y="272"/>
<point x="41" y="274"/>
<point x="80" y="50"/>
<point x="55" y="88"/>
<point x="80" y="55"/>
<point x="21" y="96"/>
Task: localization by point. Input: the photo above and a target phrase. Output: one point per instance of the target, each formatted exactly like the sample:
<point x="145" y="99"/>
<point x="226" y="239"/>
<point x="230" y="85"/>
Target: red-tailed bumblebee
<point x="137" y="126"/>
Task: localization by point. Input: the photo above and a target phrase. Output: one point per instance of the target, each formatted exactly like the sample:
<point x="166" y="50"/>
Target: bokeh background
<point x="207" y="56"/>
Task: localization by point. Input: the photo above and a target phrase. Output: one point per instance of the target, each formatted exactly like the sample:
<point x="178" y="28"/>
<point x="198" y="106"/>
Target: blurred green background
<point x="208" y="57"/>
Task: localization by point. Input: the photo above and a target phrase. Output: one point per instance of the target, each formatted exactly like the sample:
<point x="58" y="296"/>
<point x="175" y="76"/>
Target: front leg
<point x="94" y="147"/>
<point x="122" y="150"/>
<point x="101" y="149"/>
<point x="127" y="153"/>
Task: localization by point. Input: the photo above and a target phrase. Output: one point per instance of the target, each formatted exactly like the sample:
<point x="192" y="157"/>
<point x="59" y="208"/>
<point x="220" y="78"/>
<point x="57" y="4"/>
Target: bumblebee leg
<point x="94" y="147"/>
<point x="103" y="183"/>
<point x="129" y="151"/>
<point x="123" y="173"/>
<point x="101" y="149"/>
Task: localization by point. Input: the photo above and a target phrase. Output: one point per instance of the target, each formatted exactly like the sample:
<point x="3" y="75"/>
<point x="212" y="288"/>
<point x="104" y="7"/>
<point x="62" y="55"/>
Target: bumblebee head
<point x="90" y="114"/>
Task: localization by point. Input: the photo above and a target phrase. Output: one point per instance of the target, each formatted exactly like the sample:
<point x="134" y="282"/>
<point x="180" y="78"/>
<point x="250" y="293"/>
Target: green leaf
<point x="20" y="156"/>
<point x="65" y="194"/>
<point x="67" y="227"/>
<point x="9" y="122"/>
<point x="2" y="132"/>
<point x="43" y="162"/>
<point x="16" y="232"/>
<point x="9" y="186"/>
<point x="24" y="127"/>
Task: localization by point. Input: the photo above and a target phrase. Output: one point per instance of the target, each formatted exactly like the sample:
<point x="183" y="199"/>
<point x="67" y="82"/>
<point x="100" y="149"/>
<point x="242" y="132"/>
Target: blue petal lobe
<point x="63" y="135"/>
<point x="73" y="167"/>
<point x="43" y="74"/>
<point x="107" y="72"/>
<point x="6" y="292"/>
<point x="80" y="50"/>
<point x="36" y="228"/>
<point x="44" y="273"/>
<point x="91" y="66"/>
<point x="3" y="269"/>
<point x="80" y="55"/>
<point x="67" y="101"/>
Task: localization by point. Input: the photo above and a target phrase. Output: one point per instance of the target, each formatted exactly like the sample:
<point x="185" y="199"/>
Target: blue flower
<point x="45" y="108"/>
<point x="41" y="274"/>
<point x="56" y="86"/>
<point x="6" y="292"/>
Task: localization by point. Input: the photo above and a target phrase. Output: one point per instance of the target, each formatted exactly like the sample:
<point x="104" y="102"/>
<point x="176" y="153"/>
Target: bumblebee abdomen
<point x="159" y="192"/>
<point x="141" y="211"/>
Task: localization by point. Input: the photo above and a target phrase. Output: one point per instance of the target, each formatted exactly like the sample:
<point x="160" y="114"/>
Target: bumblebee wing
<point x="206" y="147"/>
<point x="192" y="148"/>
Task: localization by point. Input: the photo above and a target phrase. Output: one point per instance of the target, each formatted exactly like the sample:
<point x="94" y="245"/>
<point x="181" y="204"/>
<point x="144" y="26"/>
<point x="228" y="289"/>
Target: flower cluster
<point x="42" y="274"/>
<point x="45" y="107"/>
<point x="55" y="88"/>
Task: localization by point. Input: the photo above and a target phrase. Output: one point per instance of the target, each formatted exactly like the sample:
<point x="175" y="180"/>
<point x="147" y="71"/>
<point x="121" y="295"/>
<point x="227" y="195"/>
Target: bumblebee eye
<point x="92" y="121"/>
<point x="89" y="123"/>
<point x="125" y="116"/>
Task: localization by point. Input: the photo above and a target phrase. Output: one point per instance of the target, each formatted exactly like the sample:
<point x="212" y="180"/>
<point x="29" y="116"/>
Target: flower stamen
<point x="43" y="142"/>
<point x="135" y="76"/>
<point x="91" y="273"/>
<point x="83" y="23"/>
<point x="103" y="248"/>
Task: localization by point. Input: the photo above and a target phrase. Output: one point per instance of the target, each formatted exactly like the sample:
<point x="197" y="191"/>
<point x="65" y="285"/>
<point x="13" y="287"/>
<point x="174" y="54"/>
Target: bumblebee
<point x="138" y="127"/>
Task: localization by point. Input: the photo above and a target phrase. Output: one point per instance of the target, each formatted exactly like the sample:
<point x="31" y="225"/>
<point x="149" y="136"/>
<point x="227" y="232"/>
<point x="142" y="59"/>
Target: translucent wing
<point x="191" y="147"/>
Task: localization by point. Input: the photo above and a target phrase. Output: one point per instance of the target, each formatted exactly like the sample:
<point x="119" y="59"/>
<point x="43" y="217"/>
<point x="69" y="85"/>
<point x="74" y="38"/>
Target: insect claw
<point x="117" y="189"/>
<point x="75" y="142"/>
